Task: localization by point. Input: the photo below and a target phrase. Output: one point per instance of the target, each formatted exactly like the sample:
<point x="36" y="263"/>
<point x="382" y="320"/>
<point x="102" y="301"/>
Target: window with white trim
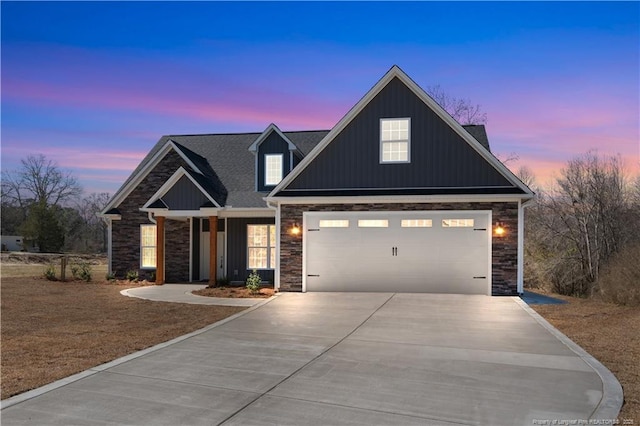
<point x="416" y="223"/>
<point x="261" y="246"/>
<point x="457" y="223"/>
<point x="373" y="223"/>
<point x="395" y="140"/>
<point x="272" y="169"/>
<point x="147" y="246"/>
<point x="334" y="223"/>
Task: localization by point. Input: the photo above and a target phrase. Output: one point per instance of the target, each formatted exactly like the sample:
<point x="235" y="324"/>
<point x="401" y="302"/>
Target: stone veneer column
<point x="159" y="250"/>
<point x="213" y="249"/>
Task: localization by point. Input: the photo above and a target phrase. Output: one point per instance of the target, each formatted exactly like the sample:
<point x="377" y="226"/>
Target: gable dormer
<point x="275" y="156"/>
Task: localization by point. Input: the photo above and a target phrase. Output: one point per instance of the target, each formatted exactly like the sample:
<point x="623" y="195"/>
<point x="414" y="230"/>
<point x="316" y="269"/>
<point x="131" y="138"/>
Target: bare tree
<point x="461" y="109"/>
<point x="41" y="181"/>
<point x="526" y="175"/>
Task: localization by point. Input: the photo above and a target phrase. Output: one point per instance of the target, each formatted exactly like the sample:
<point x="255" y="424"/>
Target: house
<point x="397" y="196"/>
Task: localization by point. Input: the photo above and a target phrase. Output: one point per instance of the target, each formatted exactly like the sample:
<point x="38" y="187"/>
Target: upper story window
<point x="395" y="141"/>
<point x="272" y="169"/>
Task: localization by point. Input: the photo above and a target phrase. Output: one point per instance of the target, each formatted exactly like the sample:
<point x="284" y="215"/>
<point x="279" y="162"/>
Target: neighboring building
<point x="396" y="197"/>
<point x="13" y="243"/>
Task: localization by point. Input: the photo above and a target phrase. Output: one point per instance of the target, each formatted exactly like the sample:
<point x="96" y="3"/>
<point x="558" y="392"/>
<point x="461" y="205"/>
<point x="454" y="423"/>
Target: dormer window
<point x="395" y="141"/>
<point x="272" y="169"/>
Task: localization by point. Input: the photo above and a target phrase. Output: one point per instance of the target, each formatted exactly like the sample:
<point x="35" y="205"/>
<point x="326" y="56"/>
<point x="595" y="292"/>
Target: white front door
<point x="204" y="255"/>
<point x="422" y="252"/>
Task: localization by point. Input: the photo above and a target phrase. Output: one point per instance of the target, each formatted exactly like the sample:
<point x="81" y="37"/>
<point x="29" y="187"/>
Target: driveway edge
<point x="612" y="396"/>
<point x="102" y="367"/>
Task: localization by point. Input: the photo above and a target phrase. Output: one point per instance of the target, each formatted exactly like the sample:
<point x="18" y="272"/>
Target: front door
<point x="204" y="255"/>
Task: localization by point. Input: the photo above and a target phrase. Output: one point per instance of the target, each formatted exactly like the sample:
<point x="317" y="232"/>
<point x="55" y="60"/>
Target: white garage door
<point x="422" y="252"/>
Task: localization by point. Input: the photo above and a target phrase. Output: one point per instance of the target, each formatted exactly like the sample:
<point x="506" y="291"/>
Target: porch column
<point x="213" y="249"/>
<point x="159" y="250"/>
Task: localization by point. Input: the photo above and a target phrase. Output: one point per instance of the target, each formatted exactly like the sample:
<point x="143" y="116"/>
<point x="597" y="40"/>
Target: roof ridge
<point x="242" y="133"/>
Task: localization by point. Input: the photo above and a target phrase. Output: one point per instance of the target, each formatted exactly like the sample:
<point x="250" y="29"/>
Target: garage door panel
<point x="398" y="259"/>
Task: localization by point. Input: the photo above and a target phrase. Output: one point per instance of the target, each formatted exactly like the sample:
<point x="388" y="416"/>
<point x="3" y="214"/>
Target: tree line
<point x="582" y="234"/>
<point x="47" y="207"/>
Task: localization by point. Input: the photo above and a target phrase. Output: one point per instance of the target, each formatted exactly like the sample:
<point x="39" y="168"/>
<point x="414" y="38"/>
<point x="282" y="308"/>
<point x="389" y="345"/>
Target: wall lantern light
<point x="295" y="229"/>
<point x="499" y="229"/>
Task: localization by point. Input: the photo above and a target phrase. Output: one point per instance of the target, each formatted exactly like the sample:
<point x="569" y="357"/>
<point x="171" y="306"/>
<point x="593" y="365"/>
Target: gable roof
<point x="264" y="135"/>
<point x="198" y="181"/>
<point x="465" y="134"/>
<point x="220" y="163"/>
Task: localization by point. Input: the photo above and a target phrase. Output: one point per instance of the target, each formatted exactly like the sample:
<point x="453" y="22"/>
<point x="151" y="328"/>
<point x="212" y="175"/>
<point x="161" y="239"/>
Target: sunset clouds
<point x="94" y="85"/>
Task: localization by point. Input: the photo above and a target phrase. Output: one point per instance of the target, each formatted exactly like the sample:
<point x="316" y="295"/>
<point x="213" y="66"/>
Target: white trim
<point x="276" y="272"/>
<point x="272" y="128"/>
<point x="166" y="187"/>
<point x="267" y="156"/>
<point x="394" y="72"/>
<point x="110" y="216"/>
<point x="268" y="246"/>
<point x="398" y="199"/>
<point x="190" y="250"/>
<point x="520" y="276"/>
<point x="153" y="162"/>
<point x="408" y="141"/>
<point x="304" y="251"/>
<point x="109" y="246"/>
<point x="155" y="227"/>
<point x="248" y="212"/>
<point x="490" y="259"/>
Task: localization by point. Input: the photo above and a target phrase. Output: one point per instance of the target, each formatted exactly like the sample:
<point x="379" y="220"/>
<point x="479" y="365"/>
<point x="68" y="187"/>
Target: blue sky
<point x="94" y="85"/>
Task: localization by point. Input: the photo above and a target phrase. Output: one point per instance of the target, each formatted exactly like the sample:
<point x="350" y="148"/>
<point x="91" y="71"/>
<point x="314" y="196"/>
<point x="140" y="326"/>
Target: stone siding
<point x="504" y="250"/>
<point x="126" y="232"/>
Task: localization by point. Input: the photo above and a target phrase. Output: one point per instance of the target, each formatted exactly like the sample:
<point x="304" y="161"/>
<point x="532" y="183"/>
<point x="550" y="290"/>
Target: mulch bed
<point x="234" y="292"/>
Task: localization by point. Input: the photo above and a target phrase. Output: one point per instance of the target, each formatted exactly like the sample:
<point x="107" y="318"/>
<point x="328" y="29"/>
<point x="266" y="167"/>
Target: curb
<point x="17" y="399"/>
<point x="612" y="396"/>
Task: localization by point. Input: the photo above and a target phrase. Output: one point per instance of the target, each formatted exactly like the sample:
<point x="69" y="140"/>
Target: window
<point x="416" y="223"/>
<point x="457" y="223"/>
<point x="261" y="243"/>
<point x="373" y="223"/>
<point x="272" y="169"/>
<point x="394" y="140"/>
<point x="341" y="223"/>
<point x="147" y="246"/>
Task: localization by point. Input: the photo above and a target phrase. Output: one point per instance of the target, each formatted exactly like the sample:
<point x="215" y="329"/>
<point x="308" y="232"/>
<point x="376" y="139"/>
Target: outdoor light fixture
<point x="499" y="229"/>
<point x="295" y="230"/>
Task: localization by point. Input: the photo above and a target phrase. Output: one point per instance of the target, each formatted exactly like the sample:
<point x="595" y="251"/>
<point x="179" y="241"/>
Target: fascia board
<point x="399" y="199"/>
<point x="172" y="181"/>
<point x="395" y="71"/>
<point x="272" y="128"/>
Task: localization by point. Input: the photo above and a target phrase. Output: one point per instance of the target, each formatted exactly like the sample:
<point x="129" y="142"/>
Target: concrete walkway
<point x="181" y="293"/>
<point x="345" y="358"/>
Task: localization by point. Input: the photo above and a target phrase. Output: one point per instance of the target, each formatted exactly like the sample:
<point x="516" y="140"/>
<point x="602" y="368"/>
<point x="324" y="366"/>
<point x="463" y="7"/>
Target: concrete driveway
<point x="344" y="358"/>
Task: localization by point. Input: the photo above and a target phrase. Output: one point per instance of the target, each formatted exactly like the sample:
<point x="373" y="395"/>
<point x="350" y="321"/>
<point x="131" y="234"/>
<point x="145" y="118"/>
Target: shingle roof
<point x="228" y="165"/>
<point x="226" y="162"/>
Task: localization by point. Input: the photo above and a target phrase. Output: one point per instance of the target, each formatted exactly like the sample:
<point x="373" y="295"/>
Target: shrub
<point x="110" y="276"/>
<point x="253" y="282"/>
<point x="81" y="271"/>
<point x="50" y="273"/>
<point x="132" y="275"/>
<point x="620" y="279"/>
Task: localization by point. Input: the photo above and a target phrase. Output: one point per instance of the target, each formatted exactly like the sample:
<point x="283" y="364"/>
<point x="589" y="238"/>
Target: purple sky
<point x="94" y="85"/>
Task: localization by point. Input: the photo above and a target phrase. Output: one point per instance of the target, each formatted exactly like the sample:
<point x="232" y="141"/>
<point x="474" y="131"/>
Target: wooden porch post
<point x="159" y="250"/>
<point x="213" y="249"/>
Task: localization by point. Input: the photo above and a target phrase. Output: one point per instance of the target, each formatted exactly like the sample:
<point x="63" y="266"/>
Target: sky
<point x="94" y="85"/>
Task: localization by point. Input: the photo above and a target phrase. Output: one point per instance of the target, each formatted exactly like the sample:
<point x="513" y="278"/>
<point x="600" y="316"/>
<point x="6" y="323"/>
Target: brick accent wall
<point x="504" y="250"/>
<point x="126" y="232"/>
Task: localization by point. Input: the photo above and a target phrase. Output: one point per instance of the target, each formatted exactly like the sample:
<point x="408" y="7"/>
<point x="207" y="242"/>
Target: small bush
<point x="50" y="273"/>
<point x="110" y="276"/>
<point x="81" y="271"/>
<point x="223" y="282"/>
<point x="132" y="276"/>
<point x="253" y="282"/>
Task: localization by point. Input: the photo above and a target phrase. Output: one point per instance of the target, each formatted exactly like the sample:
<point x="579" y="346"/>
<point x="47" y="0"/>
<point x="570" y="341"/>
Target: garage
<point x="417" y="251"/>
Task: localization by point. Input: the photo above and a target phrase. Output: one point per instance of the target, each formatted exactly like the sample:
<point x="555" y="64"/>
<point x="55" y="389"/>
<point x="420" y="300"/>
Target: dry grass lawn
<point x="51" y="330"/>
<point x="609" y="332"/>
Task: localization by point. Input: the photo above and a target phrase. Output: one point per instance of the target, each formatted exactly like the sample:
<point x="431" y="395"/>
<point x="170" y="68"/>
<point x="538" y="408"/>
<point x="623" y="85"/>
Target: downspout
<point x="151" y="219"/>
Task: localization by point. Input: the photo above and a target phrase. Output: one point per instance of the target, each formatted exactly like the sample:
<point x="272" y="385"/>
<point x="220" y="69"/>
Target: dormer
<point x="275" y="156"/>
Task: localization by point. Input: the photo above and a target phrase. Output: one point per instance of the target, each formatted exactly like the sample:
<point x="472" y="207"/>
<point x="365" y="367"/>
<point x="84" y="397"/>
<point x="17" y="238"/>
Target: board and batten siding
<point x="237" y="248"/>
<point x="273" y="144"/>
<point x="184" y="195"/>
<point x="439" y="156"/>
